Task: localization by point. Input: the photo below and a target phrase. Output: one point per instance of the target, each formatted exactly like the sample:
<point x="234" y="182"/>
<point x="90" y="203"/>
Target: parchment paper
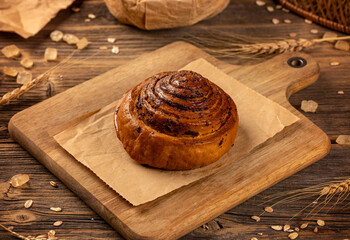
<point x="94" y="143"/>
<point x="27" y="17"/>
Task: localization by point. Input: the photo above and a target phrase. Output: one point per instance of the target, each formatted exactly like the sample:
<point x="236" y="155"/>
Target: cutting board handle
<point x="284" y="74"/>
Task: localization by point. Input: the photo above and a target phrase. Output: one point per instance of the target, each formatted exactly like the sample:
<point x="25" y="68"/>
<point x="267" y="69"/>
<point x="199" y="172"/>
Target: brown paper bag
<point x="158" y="14"/>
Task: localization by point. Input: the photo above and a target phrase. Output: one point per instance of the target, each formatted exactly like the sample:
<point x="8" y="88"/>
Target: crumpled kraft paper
<point x="158" y="14"/>
<point x="94" y="143"/>
<point x="28" y="17"/>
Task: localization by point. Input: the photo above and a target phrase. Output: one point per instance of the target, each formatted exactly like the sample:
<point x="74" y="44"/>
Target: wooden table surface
<point x="240" y="17"/>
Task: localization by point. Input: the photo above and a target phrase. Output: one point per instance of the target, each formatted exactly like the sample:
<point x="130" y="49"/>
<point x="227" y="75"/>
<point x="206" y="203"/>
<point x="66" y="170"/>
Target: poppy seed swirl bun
<point x="176" y="121"/>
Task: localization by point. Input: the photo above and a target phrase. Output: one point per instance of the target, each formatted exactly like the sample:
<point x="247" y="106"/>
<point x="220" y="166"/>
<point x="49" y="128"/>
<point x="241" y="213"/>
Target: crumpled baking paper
<point x="94" y="143"/>
<point x="28" y="17"/>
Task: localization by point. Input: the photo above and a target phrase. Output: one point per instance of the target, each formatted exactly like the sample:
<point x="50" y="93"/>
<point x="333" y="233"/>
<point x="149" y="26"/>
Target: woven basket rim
<point x="317" y="19"/>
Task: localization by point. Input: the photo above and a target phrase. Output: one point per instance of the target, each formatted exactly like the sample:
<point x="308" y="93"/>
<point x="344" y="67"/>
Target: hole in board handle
<point x="297" y="62"/>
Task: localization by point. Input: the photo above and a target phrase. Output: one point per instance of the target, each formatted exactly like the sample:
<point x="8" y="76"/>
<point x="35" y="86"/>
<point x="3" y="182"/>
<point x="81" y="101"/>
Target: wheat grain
<point x="14" y="94"/>
<point x="228" y="45"/>
<point x="324" y="194"/>
<point x="16" y="234"/>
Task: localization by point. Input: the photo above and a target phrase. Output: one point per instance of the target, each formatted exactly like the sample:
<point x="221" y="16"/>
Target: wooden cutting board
<point x="185" y="209"/>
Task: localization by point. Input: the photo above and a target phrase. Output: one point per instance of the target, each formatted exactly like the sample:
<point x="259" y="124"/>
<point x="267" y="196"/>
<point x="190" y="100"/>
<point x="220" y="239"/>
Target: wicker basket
<point x="333" y="14"/>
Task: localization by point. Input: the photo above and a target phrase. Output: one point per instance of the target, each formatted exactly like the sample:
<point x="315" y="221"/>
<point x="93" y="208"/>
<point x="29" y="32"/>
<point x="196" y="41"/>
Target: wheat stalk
<point x="325" y="192"/>
<point x="17" y="92"/>
<point x="227" y="45"/>
<point x="14" y="94"/>
<point x="17" y="234"/>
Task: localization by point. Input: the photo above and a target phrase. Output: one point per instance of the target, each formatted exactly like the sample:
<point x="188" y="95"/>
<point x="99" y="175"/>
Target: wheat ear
<point x="14" y="94"/>
<point x="226" y="47"/>
<point x="326" y="191"/>
<point x="17" y="92"/>
<point x="17" y="234"/>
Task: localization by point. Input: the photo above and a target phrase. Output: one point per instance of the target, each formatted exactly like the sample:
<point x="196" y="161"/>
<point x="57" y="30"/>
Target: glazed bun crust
<point x="176" y="121"/>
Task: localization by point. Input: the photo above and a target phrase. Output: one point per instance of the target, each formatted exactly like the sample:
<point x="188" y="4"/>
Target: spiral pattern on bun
<point x="176" y="120"/>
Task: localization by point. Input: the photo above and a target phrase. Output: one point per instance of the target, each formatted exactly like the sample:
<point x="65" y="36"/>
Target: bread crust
<point x="176" y="121"/>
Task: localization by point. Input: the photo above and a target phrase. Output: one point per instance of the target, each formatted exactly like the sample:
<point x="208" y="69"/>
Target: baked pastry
<point x="176" y="121"/>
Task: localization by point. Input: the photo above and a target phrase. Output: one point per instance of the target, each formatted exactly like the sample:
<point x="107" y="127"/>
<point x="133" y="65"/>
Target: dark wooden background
<point x="240" y="17"/>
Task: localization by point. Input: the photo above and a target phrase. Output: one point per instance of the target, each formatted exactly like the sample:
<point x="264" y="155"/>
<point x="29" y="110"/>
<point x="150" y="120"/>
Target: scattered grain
<point x="57" y="223"/>
<point x="28" y="203"/>
<point x="11" y="51"/>
<point x="75" y="9"/>
<point x="51" y="234"/>
<point x="103" y="47"/>
<point x="286" y="228"/>
<point x="270" y="9"/>
<point x="275" y="21"/>
<point x="82" y="43"/>
<point x="56" y="36"/>
<point x="292" y="35"/>
<point x="260" y="234"/>
<point x="278" y="6"/>
<point x="290" y="230"/>
<point x="56" y="209"/>
<point x="70" y="38"/>
<point x="334" y="63"/>
<point x="268" y="209"/>
<point x="91" y="16"/>
<point x="10" y="71"/>
<point x="343" y="140"/>
<point x="115" y="50"/>
<point x="293" y="235"/>
<point x="205" y="226"/>
<point x="24" y="77"/>
<point x="27" y="62"/>
<point x="309" y="106"/>
<point x="320" y="222"/>
<point x="304" y="225"/>
<point x="53" y="184"/>
<point x="260" y="3"/>
<point x="285" y="10"/>
<point x="253" y="238"/>
<point x="111" y="40"/>
<point x="277" y="227"/>
<point x="288" y="21"/>
<point x="340" y="92"/>
<point x="314" y="31"/>
<point x="342" y="45"/>
<point x="19" y="180"/>
<point x="256" y="218"/>
<point x="316" y="229"/>
<point x="308" y="21"/>
<point x="50" y="54"/>
<point x="297" y="229"/>
<point x="330" y="35"/>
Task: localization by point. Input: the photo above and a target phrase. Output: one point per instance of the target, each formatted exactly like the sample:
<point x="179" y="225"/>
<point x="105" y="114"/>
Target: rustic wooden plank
<point x="242" y="17"/>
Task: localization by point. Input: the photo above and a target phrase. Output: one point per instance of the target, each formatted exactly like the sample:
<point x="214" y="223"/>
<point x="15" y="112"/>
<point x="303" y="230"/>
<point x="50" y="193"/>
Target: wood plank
<point x="198" y="202"/>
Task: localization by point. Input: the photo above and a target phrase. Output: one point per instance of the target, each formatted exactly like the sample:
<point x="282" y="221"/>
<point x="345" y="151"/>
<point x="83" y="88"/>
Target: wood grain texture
<point x="243" y="17"/>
